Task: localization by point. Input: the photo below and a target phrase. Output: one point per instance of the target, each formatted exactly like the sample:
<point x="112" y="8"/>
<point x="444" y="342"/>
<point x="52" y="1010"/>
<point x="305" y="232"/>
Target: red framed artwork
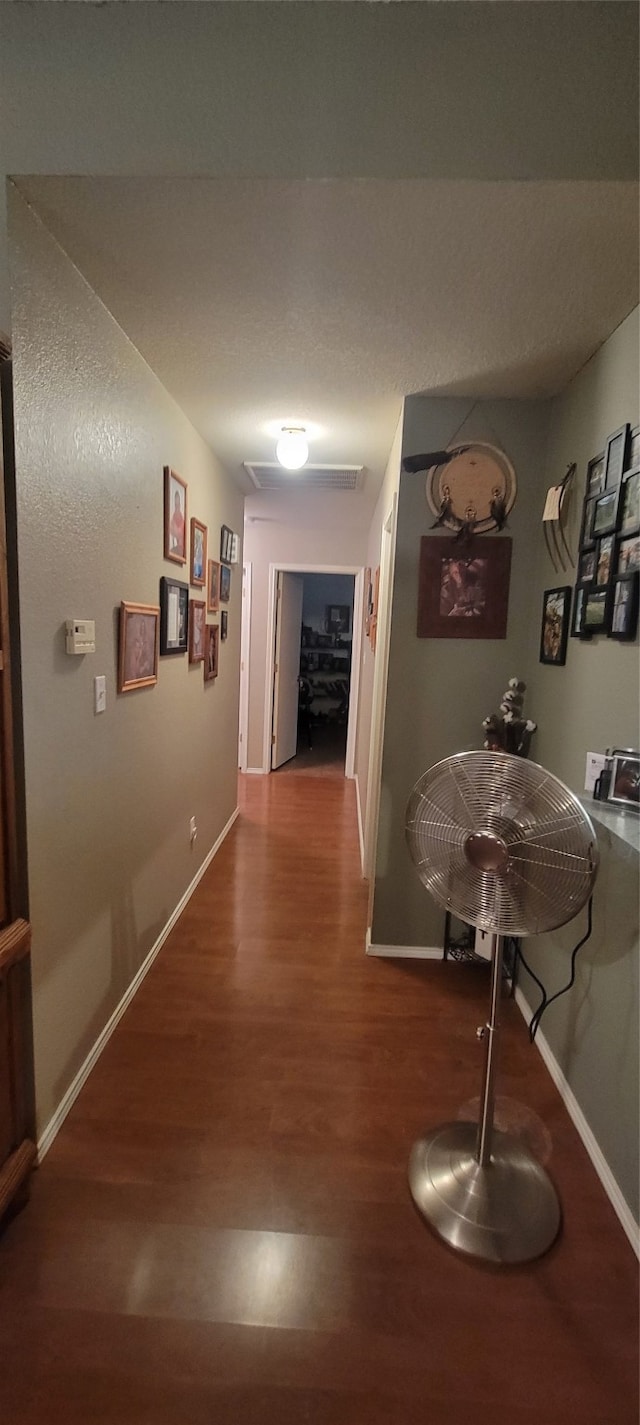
<point x="463" y="589"/>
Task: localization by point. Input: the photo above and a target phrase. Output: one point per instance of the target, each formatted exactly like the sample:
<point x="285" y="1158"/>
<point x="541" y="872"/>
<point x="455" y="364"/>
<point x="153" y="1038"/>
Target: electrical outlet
<point x="193" y="830"/>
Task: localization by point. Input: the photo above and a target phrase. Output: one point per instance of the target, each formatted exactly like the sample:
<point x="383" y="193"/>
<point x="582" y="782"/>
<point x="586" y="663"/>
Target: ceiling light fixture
<point x="292" y="449"/>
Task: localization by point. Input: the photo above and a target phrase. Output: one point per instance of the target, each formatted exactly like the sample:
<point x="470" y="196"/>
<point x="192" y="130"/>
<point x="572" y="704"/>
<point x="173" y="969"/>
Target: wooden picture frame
<point x="595" y="476"/>
<point x="197" y="625"/>
<point x="213" y="586"/>
<point x="630" y="502"/>
<point x="210" y="661"/>
<point x="624" y="607"/>
<point x="615" y="457"/>
<point x="225" y="584"/>
<point x="224" y="625"/>
<point x="368" y="600"/>
<point x="198" y="559"/>
<point x="138" y="637"/>
<point x="175" y="516"/>
<point x="174" y="616"/>
<point x="556" y="609"/>
<point x="463" y="590"/>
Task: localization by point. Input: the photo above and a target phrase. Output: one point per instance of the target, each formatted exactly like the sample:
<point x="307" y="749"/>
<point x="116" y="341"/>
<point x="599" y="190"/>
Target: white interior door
<point x="287" y="667"/>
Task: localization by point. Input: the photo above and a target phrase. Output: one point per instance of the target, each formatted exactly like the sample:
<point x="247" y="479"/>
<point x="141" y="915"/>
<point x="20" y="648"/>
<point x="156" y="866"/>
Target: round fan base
<point x="505" y="1212"/>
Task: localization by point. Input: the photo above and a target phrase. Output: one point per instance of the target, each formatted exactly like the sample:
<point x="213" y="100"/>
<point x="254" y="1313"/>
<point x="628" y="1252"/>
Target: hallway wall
<point x="109" y="798"/>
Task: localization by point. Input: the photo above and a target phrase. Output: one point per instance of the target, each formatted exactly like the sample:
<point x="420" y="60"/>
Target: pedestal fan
<point x="505" y="846"/>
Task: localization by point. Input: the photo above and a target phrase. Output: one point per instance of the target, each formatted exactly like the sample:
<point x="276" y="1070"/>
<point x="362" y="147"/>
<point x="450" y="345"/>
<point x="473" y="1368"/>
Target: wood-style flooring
<point x="222" y="1232"/>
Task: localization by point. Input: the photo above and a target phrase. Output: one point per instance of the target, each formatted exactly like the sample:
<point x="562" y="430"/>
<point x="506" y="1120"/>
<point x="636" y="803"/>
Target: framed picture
<point x="463" y="592"/>
<point x="596" y="609"/>
<point x="629" y="555"/>
<point x="605" y="559"/>
<point x="198" y="553"/>
<point x="625" y="779"/>
<point x="213" y="586"/>
<point x="338" y="618"/>
<point x="138" y="646"/>
<point x="587" y="566"/>
<point x="210" y="651"/>
<point x="578" y="629"/>
<point x="615" y="457"/>
<point x="624" y="611"/>
<point x="633" y="457"/>
<point x="175" y="517"/>
<point x="630" y="502"/>
<point x="224" y="625"/>
<point x="197" y="623"/>
<point x="226" y="544"/>
<point x="235" y="549"/>
<point x="225" y="584"/>
<point x="368" y="600"/>
<point x="556" y="606"/>
<point x="174" y="616"/>
<point x="586" y="533"/>
<point x="595" y="477"/>
<point x="605" y="515"/>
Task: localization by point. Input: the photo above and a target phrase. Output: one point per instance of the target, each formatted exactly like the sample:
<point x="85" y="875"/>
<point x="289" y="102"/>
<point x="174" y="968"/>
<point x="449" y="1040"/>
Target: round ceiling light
<point x="292" y="449"/>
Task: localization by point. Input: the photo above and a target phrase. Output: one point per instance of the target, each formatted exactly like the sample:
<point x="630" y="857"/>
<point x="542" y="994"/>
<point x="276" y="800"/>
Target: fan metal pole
<point x="491" y="1031"/>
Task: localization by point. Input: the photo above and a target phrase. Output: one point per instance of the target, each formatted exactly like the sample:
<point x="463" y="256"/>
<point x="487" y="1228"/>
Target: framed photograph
<point x="604" y="566"/>
<point x="595" y="477"/>
<point x="213" y="586"/>
<point x="368" y="600"/>
<point x="630" y="502"/>
<point x="587" y="566"/>
<point x="198" y="553"/>
<point x="579" y="606"/>
<point x="605" y="515"/>
<point x="463" y="592"/>
<point x="624" y="611"/>
<point x="633" y="457"/>
<point x="224" y="625"/>
<point x="211" y="636"/>
<point x="225" y="584"/>
<point x="556" y="607"/>
<point x="197" y="623"/>
<point x="338" y="618"/>
<point x="625" y="779"/>
<point x="615" y="457"/>
<point x="235" y="549"/>
<point x="596" y="610"/>
<point x="175" y="517"/>
<point x="138" y="646"/>
<point x="629" y="555"/>
<point x="586" y="533"/>
<point x="226" y="544"/>
<point x="174" y="616"/>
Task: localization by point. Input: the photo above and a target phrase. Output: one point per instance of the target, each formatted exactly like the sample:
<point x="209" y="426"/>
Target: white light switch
<point x="100" y="694"/>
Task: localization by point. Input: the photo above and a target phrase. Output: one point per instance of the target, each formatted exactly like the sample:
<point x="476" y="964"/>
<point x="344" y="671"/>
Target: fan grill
<point x="551" y="846"/>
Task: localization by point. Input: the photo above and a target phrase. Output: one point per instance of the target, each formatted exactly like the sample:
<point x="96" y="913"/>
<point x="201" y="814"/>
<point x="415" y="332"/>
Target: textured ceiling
<point x="327" y="301"/>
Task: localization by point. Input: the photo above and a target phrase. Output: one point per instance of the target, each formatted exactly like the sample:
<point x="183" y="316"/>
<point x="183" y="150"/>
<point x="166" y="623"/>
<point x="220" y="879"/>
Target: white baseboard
<point x="360" y="827"/>
<point x="254" y="772"/>
<point x="55" y="1123"/>
<point x="403" y="952"/>
<point x="620" y="1206"/>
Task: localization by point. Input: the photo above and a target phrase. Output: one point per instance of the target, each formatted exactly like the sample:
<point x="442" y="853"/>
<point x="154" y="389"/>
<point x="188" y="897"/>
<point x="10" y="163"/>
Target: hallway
<point x="222" y="1232"/>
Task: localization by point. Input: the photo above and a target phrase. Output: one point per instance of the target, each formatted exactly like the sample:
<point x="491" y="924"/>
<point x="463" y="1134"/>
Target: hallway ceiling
<point x="325" y="302"/>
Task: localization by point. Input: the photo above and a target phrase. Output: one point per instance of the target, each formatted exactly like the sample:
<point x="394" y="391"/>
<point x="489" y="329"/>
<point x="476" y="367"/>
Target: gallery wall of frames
<point x="179" y="624"/>
<point x="605" y="597"/>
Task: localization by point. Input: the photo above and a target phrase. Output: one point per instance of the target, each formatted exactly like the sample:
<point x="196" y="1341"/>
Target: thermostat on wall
<point x="81" y="635"/>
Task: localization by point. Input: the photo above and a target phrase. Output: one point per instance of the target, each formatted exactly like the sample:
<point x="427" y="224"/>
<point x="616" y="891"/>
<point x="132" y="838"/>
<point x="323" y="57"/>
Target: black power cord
<point x="546" y="999"/>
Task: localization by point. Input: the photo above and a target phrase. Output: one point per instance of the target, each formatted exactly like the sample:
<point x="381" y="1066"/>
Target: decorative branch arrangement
<point x="553" y="521"/>
<point x="507" y="730"/>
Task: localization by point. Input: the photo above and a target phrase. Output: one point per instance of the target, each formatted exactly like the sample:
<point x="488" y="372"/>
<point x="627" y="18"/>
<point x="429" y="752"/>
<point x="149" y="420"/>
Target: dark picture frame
<point x="630" y="501"/>
<point x="625" y="779"/>
<point x="605" y="517"/>
<point x="338" y="618"/>
<point x="175" y="516"/>
<point x="137" y="646"/>
<point x="554" y="631"/>
<point x="633" y="454"/>
<point x="224" y="625"/>
<point x="197" y="624"/>
<point x="577" y="618"/>
<point x="605" y="559"/>
<point x="595" y="615"/>
<point x="225" y="584"/>
<point x="174" y="616"/>
<point x="587" y="566"/>
<point x="595" y="476"/>
<point x="587" y="540"/>
<point x="210" y="661"/>
<point x="624" y="607"/>
<point x="463" y="590"/>
<point x="628" y="555"/>
<point x="615" y="456"/>
<point x="198" y="557"/>
<point x="213" y="586"/>
<point x="226" y="544"/>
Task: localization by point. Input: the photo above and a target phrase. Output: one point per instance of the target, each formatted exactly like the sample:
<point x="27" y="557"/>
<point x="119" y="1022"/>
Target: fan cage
<point x="552" y="850"/>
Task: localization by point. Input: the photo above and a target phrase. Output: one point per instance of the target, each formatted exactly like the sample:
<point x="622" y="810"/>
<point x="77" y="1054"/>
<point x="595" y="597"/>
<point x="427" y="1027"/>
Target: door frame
<point x="357" y="571"/>
<point x="379" y="697"/>
<point x="245" y="655"/>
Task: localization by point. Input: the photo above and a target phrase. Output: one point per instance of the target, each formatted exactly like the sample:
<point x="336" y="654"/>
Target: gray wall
<point x="590" y="704"/>
<point x="108" y="798"/>
<point x="439" y="690"/>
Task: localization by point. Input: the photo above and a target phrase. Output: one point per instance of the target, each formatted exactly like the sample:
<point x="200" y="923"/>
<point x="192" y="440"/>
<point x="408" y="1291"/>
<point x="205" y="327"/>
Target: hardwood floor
<point x="222" y="1232"/>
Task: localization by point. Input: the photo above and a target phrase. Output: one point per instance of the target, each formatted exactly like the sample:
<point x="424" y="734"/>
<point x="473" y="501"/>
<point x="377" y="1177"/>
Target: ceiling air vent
<point x="271" y="476"/>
